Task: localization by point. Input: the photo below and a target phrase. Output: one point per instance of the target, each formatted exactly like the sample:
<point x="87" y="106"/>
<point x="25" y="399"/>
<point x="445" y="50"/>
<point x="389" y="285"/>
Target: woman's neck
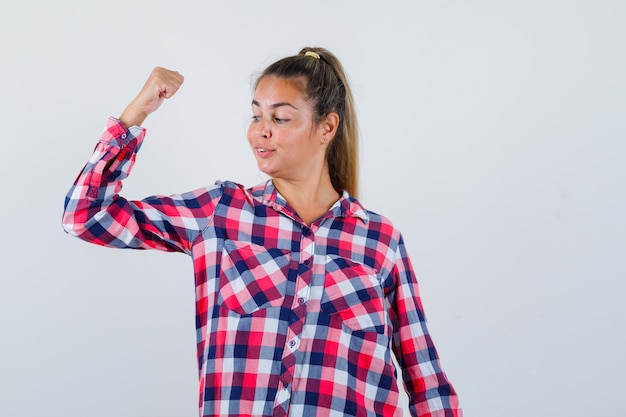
<point x="310" y="199"/>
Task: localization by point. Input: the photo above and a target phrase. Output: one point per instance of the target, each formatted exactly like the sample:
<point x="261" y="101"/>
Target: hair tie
<point x="312" y="54"/>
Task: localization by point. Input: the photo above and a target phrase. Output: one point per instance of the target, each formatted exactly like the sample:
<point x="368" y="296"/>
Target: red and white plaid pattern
<point x="291" y="319"/>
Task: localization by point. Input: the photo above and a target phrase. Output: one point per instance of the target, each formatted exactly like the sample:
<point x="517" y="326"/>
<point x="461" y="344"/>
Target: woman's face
<point x="286" y="141"/>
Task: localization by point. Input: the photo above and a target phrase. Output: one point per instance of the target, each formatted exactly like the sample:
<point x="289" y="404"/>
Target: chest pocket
<point x="353" y="294"/>
<point x="252" y="277"/>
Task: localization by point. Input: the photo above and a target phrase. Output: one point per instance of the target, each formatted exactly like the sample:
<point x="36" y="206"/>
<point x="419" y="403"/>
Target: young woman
<point x="301" y="293"/>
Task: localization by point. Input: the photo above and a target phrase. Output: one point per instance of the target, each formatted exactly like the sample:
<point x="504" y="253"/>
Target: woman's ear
<point x="329" y="125"/>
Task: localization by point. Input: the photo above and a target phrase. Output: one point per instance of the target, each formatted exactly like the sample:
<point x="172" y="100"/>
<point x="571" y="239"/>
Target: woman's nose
<point x="263" y="129"/>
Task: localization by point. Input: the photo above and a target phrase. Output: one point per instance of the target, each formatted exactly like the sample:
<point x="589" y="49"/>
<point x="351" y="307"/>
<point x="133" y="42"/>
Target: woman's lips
<point x="263" y="152"/>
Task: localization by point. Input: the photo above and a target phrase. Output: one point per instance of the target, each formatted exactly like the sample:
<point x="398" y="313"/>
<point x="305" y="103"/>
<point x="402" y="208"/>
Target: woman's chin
<point x="266" y="169"/>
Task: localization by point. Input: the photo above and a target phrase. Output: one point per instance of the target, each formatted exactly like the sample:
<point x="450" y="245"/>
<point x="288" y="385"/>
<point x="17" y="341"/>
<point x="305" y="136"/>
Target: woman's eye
<point x="256" y="118"/>
<point x="280" y="121"/>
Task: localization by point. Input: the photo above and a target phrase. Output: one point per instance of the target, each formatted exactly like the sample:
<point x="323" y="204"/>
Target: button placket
<point x="303" y="285"/>
<point x="298" y="313"/>
<point x="302" y="296"/>
<point x="281" y="403"/>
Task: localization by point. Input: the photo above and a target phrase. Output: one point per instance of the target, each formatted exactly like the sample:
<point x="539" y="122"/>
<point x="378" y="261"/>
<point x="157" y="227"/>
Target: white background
<point x="493" y="136"/>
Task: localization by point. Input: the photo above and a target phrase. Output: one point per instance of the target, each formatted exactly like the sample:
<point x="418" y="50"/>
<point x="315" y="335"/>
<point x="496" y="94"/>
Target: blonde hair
<point x="328" y="91"/>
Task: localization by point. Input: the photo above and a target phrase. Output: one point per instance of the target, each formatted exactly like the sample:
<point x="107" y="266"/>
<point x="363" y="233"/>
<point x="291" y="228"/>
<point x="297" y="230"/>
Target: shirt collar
<point x="346" y="206"/>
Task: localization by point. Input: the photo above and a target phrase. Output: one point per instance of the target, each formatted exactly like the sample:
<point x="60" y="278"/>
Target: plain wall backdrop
<point x="493" y="135"/>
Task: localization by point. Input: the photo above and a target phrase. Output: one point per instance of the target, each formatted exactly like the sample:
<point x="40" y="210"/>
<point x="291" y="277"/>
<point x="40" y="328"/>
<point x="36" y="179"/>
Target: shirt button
<point x="301" y="300"/>
<point x="307" y="262"/>
<point x="285" y="384"/>
<point x="292" y="343"/>
<point x="123" y="135"/>
<point x="306" y="232"/>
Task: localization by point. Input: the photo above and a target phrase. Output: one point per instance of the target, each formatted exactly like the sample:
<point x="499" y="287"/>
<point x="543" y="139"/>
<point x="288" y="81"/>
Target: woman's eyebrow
<point x="275" y="105"/>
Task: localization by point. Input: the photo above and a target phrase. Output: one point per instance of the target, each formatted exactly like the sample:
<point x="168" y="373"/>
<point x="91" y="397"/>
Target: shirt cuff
<point x="116" y="134"/>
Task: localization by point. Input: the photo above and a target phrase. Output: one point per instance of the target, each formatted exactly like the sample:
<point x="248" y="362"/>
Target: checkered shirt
<point x="292" y="320"/>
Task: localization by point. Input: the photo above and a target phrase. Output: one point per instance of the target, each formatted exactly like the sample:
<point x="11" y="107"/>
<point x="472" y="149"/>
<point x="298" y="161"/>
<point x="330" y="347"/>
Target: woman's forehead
<point x="271" y="90"/>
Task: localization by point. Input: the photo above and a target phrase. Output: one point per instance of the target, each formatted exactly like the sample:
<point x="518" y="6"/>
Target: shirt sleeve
<point x="95" y="212"/>
<point x="429" y="390"/>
